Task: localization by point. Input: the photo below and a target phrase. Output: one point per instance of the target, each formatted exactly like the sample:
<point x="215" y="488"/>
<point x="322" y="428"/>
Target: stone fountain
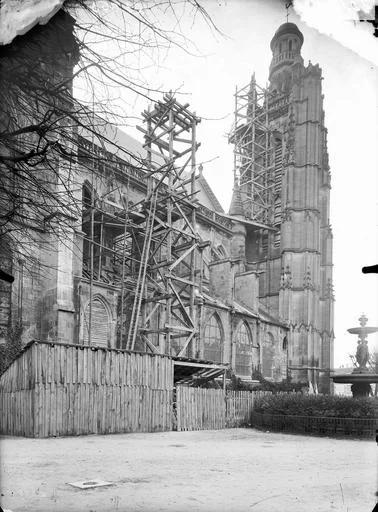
<point x="361" y="377"/>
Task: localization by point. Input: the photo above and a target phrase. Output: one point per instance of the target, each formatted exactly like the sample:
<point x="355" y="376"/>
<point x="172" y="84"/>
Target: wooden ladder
<point x="133" y="328"/>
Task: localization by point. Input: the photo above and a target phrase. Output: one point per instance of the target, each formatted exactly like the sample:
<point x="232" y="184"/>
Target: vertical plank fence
<point x="58" y="390"/>
<point x="200" y="409"/>
<point x="55" y="389"/>
<point x="239" y="406"/>
<point x="17" y="398"/>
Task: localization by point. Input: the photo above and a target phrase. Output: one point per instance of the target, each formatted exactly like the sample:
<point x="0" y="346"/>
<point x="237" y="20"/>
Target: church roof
<point x="242" y="309"/>
<point x="131" y="150"/>
<point x="114" y="140"/>
<point x="267" y="317"/>
<point x="286" y="29"/>
<point x="205" y="187"/>
<point x="236" y="206"/>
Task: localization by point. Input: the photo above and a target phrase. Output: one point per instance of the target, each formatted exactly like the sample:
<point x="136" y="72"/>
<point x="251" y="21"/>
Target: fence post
<point x="225" y="396"/>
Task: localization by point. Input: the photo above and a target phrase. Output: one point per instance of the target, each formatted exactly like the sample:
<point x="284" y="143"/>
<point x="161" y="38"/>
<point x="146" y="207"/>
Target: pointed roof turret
<point x="236" y="207"/>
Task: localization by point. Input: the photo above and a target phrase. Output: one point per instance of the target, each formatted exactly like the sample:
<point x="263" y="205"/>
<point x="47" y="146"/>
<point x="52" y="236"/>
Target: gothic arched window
<point x="213" y="340"/>
<point x="87" y="195"/>
<point x="221" y="251"/>
<point x="97" y="322"/>
<point x="218" y="253"/>
<point x="244" y="357"/>
<point x="7" y="265"/>
<point x="268" y="356"/>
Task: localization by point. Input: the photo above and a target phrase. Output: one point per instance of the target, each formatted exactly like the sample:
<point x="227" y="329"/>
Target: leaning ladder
<point x="133" y="328"/>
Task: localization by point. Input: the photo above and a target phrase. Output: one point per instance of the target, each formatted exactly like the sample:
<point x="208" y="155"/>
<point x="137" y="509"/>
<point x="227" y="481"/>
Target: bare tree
<point x="92" y="44"/>
<point x="96" y="46"/>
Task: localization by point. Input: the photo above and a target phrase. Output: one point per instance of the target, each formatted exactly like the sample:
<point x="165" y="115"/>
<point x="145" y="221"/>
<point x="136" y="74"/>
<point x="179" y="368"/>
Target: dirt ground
<point x="226" y="470"/>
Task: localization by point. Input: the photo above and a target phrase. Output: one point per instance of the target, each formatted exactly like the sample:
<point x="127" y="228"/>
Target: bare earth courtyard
<point x="226" y="470"/>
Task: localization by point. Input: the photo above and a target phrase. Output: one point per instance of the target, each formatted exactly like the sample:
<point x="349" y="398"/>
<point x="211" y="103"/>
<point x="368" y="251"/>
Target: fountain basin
<point x="352" y="378"/>
<point x="362" y="330"/>
<point x="360" y="380"/>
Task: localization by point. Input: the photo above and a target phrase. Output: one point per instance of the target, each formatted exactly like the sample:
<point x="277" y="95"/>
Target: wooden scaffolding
<point x="155" y="242"/>
<point x="254" y="152"/>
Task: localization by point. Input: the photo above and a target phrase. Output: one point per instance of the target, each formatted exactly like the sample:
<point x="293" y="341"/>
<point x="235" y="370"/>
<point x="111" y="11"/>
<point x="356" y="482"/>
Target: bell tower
<point x="283" y="141"/>
<point x="286" y="48"/>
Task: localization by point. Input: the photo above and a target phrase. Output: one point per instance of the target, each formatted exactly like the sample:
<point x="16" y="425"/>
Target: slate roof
<point x="243" y="310"/>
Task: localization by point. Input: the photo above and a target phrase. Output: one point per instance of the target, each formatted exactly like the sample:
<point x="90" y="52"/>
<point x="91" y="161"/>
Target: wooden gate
<point x="201" y="409"/>
<point x="239" y="405"/>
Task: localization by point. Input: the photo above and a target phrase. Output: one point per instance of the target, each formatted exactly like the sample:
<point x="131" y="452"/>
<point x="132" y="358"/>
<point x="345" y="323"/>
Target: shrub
<point x="276" y="387"/>
<point x="12" y="347"/>
<point x="297" y="404"/>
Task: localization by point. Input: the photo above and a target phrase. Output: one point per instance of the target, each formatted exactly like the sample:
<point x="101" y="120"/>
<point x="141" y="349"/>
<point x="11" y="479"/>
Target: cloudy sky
<point x="346" y="51"/>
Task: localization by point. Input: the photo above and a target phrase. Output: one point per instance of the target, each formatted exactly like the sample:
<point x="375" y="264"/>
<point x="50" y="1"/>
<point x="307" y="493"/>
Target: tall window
<point x="268" y="356"/>
<point x="86" y="195"/>
<point x="290" y="45"/>
<point x="213" y="340"/>
<point x="98" y="323"/>
<point x="6" y="264"/>
<point x="243" y="362"/>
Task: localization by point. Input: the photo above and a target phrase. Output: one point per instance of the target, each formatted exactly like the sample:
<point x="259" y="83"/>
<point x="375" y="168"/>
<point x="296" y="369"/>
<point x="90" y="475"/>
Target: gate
<point x="239" y="405"/>
<point x="202" y="409"/>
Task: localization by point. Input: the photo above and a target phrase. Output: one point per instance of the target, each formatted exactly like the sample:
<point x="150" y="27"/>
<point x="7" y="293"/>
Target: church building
<point x="154" y="264"/>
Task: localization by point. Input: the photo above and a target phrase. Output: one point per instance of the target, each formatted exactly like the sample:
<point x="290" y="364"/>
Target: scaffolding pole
<point x="254" y="152"/>
<point x="154" y="243"/>
<point x="169" y="265"/>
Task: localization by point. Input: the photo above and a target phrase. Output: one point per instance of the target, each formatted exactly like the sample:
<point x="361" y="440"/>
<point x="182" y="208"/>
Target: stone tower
<point x="294" y="252"/>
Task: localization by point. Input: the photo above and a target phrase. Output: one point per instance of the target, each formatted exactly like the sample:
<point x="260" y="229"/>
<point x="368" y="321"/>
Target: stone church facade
<point x="295" y="260"/>
<point x="266" y="297"/>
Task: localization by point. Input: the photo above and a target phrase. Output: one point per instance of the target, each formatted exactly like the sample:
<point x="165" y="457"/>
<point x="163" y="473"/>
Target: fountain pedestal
<point x="361" y="377"/>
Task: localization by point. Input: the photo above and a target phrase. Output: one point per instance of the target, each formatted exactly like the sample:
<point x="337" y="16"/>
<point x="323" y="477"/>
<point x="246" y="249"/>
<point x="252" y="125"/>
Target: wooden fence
<point x="200" y="409"/>
<point x="56" y="390"/>
<point x="239" y="406"/>
<point x="59" y="389"/>
<point x="17" y="402"/>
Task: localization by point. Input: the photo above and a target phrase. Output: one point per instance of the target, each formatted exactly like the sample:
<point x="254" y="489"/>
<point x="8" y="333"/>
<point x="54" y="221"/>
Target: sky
<point x="206" y="77"/>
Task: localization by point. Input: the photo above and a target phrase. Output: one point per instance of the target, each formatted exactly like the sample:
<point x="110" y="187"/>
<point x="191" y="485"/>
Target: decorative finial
<point x="200" y="169"/>
<point x="363" y="320"/>
<point x="287" y="7"/>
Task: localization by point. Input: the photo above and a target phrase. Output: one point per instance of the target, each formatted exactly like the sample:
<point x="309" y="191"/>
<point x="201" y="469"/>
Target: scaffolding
<point x="254" y="164"/>
<point x="154" y="244"/>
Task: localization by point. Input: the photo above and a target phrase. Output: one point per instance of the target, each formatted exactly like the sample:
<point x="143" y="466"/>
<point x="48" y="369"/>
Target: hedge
<point x="330" y="406"/>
